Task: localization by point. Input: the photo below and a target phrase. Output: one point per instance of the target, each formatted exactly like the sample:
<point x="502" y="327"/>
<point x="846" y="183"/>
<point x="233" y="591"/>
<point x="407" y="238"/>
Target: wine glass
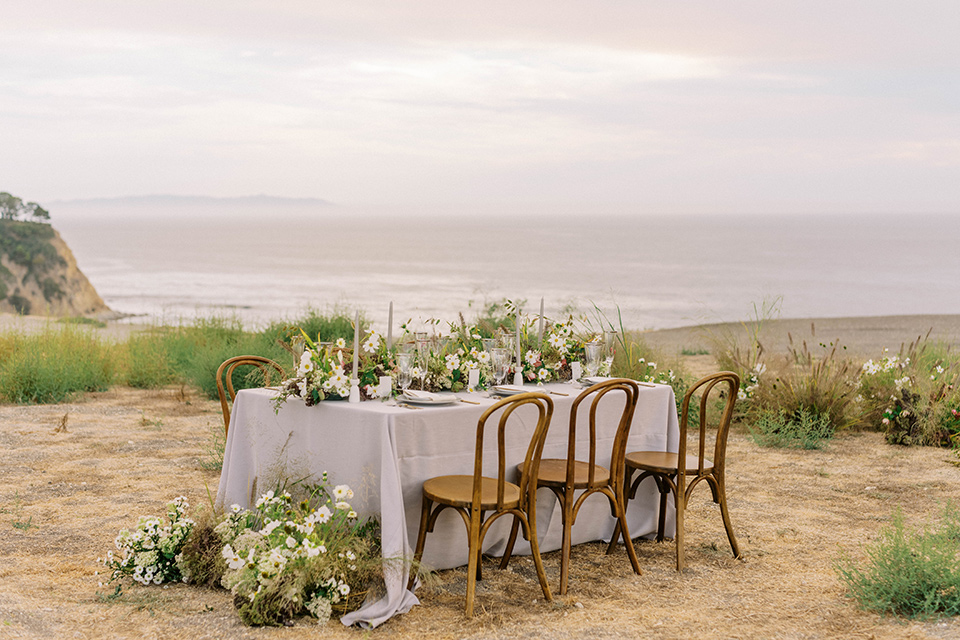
<point x="609" y="349"/>
<point x="297" y="344"/>
<point x="405" y="362"/>
<point x="423" y="351"/>
<point x="592" y="353"/>
<point x="500" y="360"/>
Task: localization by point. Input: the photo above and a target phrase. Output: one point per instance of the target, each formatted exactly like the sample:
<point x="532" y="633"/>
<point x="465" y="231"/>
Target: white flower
<point x="342" y="506"/>
<point x="291" y="542"/>
<point x="483" y="357"/>
<point x="270" y="526"/>
<point x="543" y="374"/>
<point x="453" y="361"/>
<point x="342" y="492"/>
<point x="321" y="515"/>
<point x="264" y="499"/>
<point x="652" y="365"/>
<point x="344" y="589"/>
<point x="306" y="363"/>
<point x="341" y="343"/>
<point x="556" y="341"/>
<point x="372" y="343"/>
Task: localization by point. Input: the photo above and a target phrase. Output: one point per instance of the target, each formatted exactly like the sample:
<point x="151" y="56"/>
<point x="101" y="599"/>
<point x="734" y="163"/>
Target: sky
<point x="612" y="106"/>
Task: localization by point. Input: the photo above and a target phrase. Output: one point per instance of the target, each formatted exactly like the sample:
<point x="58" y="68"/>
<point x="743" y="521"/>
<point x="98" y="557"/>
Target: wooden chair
<point x="225" y="372"/>
<point x="680" y="480"/>
<point x="474" y="496"/>
<point x="567" y="476"/>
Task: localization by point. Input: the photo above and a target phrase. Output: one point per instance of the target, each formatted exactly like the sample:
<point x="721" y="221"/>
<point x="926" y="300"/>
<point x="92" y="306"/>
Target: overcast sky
<point x="543" y="105"/>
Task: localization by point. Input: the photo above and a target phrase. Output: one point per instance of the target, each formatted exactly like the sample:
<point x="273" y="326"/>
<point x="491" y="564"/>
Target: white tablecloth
<point x="386" y="452"/>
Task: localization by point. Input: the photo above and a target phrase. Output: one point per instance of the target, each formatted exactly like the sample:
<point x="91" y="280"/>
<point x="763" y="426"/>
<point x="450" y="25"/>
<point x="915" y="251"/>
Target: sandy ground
<point x="124" y="453"/>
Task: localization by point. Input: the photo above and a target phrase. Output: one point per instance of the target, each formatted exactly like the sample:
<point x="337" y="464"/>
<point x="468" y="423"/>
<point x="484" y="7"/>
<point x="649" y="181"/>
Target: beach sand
<point x="126" y="453"/>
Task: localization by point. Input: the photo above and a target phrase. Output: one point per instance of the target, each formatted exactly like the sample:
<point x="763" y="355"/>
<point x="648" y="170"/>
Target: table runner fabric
<point x="386" y="452"/>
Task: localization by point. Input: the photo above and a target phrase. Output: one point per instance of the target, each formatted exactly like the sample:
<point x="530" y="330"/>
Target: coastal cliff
<point x="39" y="275"/>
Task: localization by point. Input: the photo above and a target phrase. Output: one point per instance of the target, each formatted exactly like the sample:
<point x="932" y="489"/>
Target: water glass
<point x="592" y="352"/>
<point x="609" y="349"/>
<point x="405" y="362"/>
<point x="500" y="361"/>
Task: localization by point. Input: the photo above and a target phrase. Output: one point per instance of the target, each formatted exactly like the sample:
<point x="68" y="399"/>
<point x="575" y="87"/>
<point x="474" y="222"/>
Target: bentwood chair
<point x="225" y="379"/>
<point x="567" y="476"/>
<point x="680" y="479"/>
<point x="481" y="500"/>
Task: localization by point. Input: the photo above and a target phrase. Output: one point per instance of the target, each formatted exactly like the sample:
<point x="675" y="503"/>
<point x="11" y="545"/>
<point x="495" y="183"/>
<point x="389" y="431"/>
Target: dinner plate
<point x="510" y="389"/>
<point x="425" y="398"/>
<point x="592" y="380"/>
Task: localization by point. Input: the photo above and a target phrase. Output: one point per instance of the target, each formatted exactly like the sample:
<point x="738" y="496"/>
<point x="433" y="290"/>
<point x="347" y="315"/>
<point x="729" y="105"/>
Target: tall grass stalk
<point x="53" y="364"/>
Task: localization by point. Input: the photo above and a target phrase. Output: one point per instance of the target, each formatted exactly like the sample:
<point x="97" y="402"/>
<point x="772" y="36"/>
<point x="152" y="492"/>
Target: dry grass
<point x="126" y="452"/>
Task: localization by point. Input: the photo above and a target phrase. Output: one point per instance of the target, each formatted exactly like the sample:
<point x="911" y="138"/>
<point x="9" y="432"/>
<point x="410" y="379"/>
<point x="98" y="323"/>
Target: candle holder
<point x="354" y="390"/>
<point x="518" y="377"/>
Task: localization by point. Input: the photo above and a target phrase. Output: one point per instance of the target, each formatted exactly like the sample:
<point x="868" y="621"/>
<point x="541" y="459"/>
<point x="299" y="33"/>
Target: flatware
<point x="468" y="401"/>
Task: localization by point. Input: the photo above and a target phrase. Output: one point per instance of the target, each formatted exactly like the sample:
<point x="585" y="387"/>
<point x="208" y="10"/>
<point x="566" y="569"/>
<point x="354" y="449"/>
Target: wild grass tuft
<point x="909" y="573"/>
<point x="53" y="364"/>
<point x="804" y="430"/>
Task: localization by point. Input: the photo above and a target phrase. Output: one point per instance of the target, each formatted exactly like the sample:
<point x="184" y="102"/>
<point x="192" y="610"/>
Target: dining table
<point x="385" y="450"/>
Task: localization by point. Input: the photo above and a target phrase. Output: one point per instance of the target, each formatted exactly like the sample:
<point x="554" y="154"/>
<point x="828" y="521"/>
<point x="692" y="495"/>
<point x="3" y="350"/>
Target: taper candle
<point x="390" y="327"/>
<point x="540" y="332"/>
<point x="356" y="346"/>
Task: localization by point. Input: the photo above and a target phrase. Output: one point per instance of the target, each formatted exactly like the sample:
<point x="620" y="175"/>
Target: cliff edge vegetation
<point x="38" y="273"/>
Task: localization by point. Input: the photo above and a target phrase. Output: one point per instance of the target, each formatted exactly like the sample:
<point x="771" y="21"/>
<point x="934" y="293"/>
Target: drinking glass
<point x="500" y="361"/>
<point x="423" y="351"/>
<point x="592" y="353"/>
<point x="489" y="344"/>
<point x="298" y="345"/>
<point x="609" y="349"/>
<point x="405" y="362"/>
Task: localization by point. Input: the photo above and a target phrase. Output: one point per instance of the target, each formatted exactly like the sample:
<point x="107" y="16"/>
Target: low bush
<point x="909" y="573"/>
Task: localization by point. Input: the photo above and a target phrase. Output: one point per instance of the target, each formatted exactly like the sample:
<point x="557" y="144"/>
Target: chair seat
<point x="663" y="462"/>
<point x="457" y="491"/>
<point x="553" y="472"/>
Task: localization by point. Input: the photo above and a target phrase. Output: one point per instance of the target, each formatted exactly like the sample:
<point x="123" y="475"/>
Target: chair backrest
<point x="704" y="386"/>
<point x="225" y="379"/>
<point x="531" y="466"/>
<point x="595" y="394"/>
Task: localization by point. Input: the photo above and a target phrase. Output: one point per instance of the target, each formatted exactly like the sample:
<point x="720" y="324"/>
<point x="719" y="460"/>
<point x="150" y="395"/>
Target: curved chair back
<point x="595" y="395"/>
<point x="225" y="380"/>
<point x="505" y="409"/>
<point x="705" y="386"/>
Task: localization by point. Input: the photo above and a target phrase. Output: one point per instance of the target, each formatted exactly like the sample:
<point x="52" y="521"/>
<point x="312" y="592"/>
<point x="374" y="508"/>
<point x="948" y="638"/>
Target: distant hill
<point x="195" y="201"/>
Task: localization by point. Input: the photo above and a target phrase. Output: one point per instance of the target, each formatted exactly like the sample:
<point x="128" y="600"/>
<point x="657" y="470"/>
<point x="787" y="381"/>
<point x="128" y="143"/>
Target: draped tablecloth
<point x="385" y="452"/>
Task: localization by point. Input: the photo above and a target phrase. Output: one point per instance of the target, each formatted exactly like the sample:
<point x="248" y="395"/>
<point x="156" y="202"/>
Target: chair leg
<point x="681" y="500"/>
<point x="627" y="540"/>
<point x="480" y="556"/>
<point x="722" y="491"/>
<point x="566" y="506"/>
<point x="473" y="564"/>
<point x="512" y="540"/>
<point x="614" y="539"/>
<point x="425" y="508"/>
<point x="531" y="531"/>
<point x="662" y="522"/>
<point x="627" y="478"/>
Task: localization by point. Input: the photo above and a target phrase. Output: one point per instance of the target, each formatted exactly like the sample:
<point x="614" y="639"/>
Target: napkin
<point x="423" y="396"/>
<point x="511" y="388"/>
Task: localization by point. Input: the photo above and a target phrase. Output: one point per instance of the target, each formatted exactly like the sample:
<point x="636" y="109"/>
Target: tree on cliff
<point x="13" y="208"/>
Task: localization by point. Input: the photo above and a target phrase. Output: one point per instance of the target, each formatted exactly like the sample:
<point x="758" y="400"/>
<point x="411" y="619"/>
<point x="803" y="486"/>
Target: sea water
<point x="654" y="271"/>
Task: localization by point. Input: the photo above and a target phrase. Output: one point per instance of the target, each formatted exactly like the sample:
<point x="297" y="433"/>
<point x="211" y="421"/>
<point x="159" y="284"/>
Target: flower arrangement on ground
<point x="149" y="553"/>
<point x="287" y="557"/>
<point x="283" y="558"/>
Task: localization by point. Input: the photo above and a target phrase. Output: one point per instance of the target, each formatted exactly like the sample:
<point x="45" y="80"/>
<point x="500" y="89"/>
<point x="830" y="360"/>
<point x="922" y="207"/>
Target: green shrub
<point x="913" y="397"/>
<point x="803" y="430"/>
<point x="909" y="573"/>
<point x="52" y="365"/>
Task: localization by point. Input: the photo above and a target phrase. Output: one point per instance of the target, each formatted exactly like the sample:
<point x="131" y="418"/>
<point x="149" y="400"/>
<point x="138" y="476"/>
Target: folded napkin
<point x="422" y="396"/>
<point x="511" y="388"/>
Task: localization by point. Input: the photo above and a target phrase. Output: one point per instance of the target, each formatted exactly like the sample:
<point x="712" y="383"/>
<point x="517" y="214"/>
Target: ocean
<point x="655" y="271"/>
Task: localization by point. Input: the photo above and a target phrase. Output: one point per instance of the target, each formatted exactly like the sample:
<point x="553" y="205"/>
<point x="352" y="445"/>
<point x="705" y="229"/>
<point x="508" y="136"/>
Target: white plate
<point x="423" y="398"/>
<point x="592" y="380"/>
<point x="511" y="389"/>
